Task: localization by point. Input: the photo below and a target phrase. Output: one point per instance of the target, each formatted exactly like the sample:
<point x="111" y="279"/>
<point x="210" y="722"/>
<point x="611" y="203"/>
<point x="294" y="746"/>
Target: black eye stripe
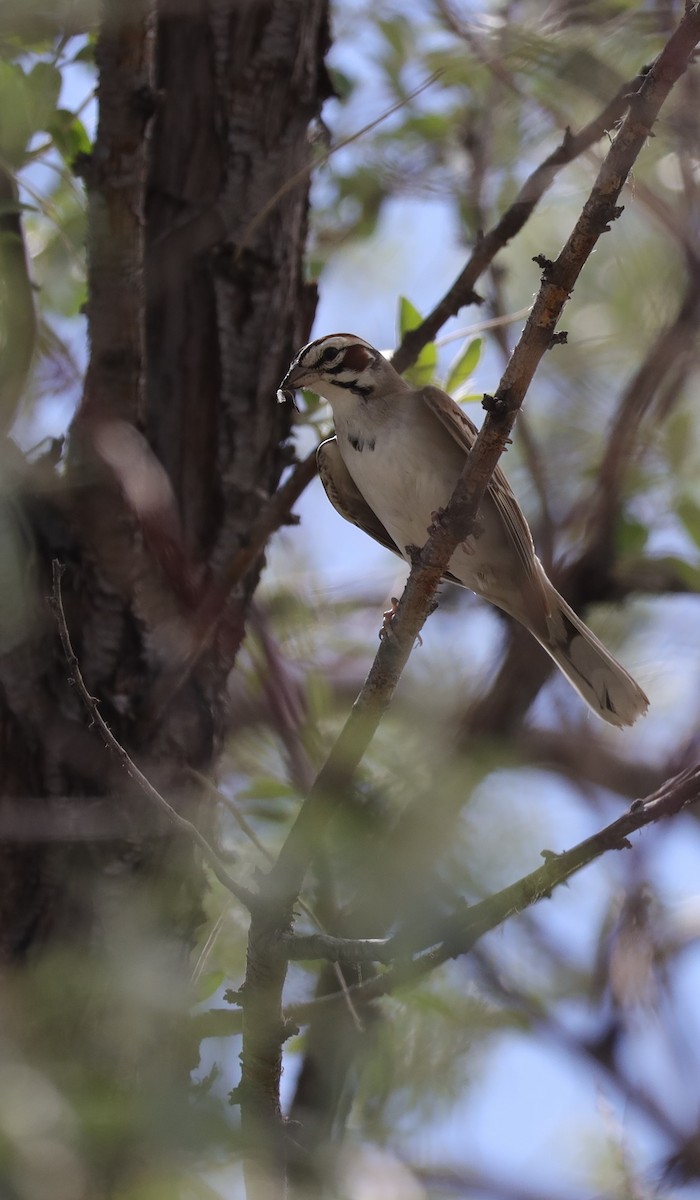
<point x="353" y="386"/>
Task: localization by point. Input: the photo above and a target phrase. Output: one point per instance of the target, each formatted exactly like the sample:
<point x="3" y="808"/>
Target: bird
<point x="393" y="464"/>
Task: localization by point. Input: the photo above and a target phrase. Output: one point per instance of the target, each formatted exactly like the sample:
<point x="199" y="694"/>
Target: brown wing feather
<point x="345" y="496"/>
<point x="464" y="431"/>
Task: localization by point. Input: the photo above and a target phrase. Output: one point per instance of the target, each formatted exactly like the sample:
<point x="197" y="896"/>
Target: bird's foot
<point x="388" y="616"/>
<point x="386" y="629"/>
<point x="469" y="545"/>
<point x="436" y="519"/>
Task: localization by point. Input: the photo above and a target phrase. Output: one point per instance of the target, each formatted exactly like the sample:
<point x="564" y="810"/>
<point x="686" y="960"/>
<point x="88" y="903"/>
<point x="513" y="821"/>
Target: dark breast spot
<point x="360" y="443"/>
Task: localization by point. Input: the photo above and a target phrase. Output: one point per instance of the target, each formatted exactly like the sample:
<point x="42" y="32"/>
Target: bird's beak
<point x="293" y="379"/>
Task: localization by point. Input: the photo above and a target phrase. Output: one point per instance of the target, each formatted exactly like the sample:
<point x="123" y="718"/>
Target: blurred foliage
<point x="508" y="78"/>
<point x="41" y="137"/>
<point x="434" y="822"/>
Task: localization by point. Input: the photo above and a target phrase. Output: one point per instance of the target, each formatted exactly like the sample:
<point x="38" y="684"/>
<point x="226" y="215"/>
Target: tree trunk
<point x="196" y="303"/>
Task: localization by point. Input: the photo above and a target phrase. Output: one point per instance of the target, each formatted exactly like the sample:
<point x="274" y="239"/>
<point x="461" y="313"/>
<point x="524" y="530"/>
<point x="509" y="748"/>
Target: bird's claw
<point x="469" y="546"/>
<point x="386" y="629"/>
<point x="436" y="519"/>
<point x="388" y="616"/>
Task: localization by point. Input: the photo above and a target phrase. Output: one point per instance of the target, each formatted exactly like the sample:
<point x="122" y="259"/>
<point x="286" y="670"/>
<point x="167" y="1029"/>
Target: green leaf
<point x="27" y="105"/>
<point x="208" y="983"/>
<point x="86" y="54"/>
<point x="395" y="30"/>
<point x="311" y="400"/>
<point x="423" y="370"/>
<point x="343" y="85"/>
<point x="69" y="135"/>
<point x="464" y="365"/>
<point x="16" y="126"/>
<point x="689" y="512"/>
<point x="679" y="439"/>
<point x="424" y="127"/>
<point x="630" y="536"/>
<point x="44" y="87"/>
<point x="409" y="317"/>
<point x="265" y="787"/>
<point x="687" y="572"/>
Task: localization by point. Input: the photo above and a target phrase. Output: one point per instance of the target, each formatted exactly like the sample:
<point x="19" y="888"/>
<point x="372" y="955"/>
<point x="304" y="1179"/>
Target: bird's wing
<point x="464" y="432"/>
<point x="346" y="497"/>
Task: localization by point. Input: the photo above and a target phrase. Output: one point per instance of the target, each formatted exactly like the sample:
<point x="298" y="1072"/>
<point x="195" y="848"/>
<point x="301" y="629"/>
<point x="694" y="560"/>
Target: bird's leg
<point x="388" y="616"/>
<point x="469" y="543"/>
<point x="386" y="630"/>
<point x="436" y="519"/>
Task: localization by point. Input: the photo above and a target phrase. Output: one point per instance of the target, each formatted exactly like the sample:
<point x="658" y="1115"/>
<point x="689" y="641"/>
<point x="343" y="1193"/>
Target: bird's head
<point x="339" y="366"/>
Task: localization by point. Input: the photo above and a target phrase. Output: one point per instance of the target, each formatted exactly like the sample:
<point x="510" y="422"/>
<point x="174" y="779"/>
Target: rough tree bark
<point x="193" y="316"/>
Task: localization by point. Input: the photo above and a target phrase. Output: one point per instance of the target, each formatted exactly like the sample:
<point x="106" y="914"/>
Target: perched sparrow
<point x="395" y="459"/>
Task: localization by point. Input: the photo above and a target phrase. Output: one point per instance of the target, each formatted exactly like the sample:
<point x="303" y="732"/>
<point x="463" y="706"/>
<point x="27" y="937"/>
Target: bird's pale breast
<point x="406" y="467"/>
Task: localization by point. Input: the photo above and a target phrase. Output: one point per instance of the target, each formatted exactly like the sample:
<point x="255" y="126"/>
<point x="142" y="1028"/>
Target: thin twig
<point x="585" y="1048"/>
<point x="644" y="194"/>
<point x="474" y="922"/>
<point x="482" y="326"/>
<point x="245" y="897"/>
<point x="495" y="239"/>
<point x="235" y="811"/>
<point x="285" y="702"/>
<point x="669" y="357"/>
<point x="250" y="833"/>
<point x="351" y="951"/>
<point x="304" y="172"/>
<point x="205" y="621"/>
<point x="674" y="796"/>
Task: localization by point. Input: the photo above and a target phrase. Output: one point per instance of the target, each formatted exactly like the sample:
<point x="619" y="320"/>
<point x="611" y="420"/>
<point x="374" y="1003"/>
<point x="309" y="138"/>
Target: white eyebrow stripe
<point x="303" y="354"/>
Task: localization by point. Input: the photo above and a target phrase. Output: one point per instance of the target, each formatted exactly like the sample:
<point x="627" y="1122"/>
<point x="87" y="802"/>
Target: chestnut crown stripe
<point x="357" y="357"/>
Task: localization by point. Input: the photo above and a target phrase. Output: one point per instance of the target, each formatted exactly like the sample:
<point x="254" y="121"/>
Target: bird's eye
<point x="329" y="354"/>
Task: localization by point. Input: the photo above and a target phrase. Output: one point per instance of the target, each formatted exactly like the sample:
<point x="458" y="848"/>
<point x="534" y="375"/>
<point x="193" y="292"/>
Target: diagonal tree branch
<point x="559" y="278"/>
<point x="212" y="610"/>
<point x="264" y="1028"/>
<point x="514" y="218"/>
<point x="473" y="922"/>
<point x="668" y="361"/>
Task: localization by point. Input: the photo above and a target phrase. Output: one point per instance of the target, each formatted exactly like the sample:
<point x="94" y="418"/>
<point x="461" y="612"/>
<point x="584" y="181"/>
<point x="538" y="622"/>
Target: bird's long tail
<point x="590" y="668"/>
